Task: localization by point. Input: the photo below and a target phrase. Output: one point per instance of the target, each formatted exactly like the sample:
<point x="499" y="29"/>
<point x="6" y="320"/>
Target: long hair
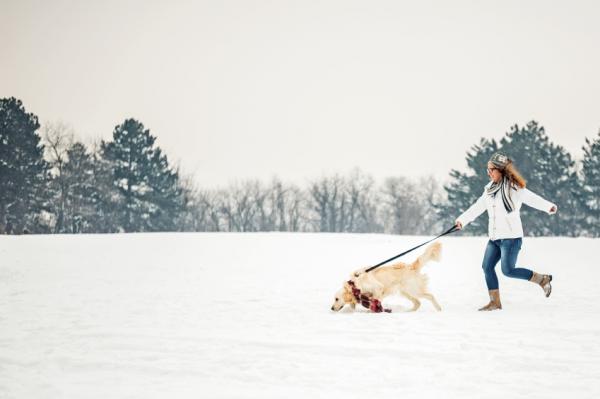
<point x="513" y="175"/>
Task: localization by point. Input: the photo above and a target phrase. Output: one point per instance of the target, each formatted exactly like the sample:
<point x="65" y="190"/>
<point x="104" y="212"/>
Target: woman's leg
<point x="490" y="260"/>
<point x="510" y="251"/>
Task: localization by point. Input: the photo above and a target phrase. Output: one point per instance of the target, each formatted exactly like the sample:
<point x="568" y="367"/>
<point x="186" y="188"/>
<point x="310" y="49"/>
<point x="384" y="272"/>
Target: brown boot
<point x="544" y="281"/>
<point x="494" y="301"/>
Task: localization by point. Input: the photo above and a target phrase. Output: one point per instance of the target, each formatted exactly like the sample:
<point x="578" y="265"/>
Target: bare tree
<point x="281" y="208"/>
<point x="241" y="204"/>
<point x="344" y="204"/>
<point x="58" y="137"/>
<point x="363" y="209"/>
<point x="209" y="216"/>
<point x="292" y="209"/>
<point x="327" y="203"/>
<point x="433" y="194"/>
<point x="192" y="217"/>
<point x="408" y="205"/>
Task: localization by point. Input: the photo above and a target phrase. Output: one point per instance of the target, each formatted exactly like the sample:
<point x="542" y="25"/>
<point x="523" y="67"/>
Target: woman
<point x="502" y="198"/>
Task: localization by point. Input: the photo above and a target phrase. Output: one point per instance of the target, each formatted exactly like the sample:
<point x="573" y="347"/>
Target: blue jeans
<point x="505" y="251"/>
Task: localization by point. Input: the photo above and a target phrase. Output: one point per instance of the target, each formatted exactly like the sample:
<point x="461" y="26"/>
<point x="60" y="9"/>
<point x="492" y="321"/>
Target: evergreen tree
<point x="465" y="188"/>
<point x="149" y="192"/>
<point x="548" y="169"/>
<point x="22" y="168"/>
<point x="550" y="172"/>
<point x="81" y="209"/>
<point x="107" y="199"/>
<point x="591" y="186"/>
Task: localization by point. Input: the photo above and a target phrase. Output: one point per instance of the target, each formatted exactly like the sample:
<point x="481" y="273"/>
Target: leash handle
<point x="451" y="230"/>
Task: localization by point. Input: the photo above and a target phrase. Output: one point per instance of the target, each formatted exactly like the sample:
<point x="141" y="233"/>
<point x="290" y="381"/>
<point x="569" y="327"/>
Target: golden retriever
<point x="399" y="278"/>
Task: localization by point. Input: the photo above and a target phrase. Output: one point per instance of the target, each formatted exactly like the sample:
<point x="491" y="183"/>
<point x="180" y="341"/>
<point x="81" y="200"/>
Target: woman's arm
<point x="535" y="201"/>
<point x="472" y="213"/>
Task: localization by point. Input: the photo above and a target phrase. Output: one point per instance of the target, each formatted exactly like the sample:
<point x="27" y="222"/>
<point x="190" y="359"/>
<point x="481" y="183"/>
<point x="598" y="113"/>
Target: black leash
<point x="452" y="230"/>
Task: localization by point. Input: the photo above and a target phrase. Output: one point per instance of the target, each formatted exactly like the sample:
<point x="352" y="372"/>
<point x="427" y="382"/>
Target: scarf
<point x="504" y="188"/>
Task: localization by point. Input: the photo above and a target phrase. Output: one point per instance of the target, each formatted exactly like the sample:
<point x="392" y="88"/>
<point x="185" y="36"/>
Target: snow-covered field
<point x="248" y="316"/>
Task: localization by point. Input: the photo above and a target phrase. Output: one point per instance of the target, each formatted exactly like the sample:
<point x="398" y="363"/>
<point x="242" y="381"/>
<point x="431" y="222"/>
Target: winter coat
<point x="501" y="223"/>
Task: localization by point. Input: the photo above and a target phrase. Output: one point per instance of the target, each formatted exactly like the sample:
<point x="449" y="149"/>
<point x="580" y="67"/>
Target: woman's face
<point x="494" y="173"/>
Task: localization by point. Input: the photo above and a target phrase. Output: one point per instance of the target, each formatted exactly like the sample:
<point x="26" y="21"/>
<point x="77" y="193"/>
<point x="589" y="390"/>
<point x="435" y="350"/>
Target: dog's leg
<point x="415" y="301"/>
<point x="379" y="293"/>
<point x="416" y="304"/>
<point x="432" y="299"/>
<point x="374" y="286"/>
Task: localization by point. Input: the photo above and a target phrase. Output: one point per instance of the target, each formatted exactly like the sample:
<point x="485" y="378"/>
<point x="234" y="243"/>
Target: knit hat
<point x="499" y="160"/>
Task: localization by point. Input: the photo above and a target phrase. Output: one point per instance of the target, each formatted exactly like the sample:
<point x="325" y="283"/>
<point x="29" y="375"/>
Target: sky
<point x="301" y="89"/>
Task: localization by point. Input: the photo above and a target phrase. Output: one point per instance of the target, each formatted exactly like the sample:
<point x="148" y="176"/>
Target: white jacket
<point x="501" y="223"/>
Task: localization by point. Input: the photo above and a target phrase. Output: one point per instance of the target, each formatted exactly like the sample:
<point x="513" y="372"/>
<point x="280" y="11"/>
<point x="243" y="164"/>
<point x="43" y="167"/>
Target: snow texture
<point x="248" y="316"/>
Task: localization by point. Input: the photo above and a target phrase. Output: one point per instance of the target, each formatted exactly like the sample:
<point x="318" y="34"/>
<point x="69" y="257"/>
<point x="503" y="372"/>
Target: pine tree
<point x="550" y="172"/>
<point x="23" y="171"/>
<point x="465" y="188"/>
<point x="81" y="200"/>
<point x="548" y="169"/>
<point x="149" y="192"/>
<point x="591" y="186"/>
<point x="107" y="199"/>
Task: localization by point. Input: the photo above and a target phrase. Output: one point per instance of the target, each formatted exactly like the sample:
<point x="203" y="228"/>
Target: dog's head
<point x="343" y="297"/>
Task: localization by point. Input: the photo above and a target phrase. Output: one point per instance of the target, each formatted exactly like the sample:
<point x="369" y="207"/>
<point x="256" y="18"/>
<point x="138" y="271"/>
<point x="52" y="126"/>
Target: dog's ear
<point x="348" y="297"/>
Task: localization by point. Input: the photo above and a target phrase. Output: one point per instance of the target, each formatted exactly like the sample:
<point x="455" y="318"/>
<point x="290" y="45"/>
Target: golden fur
<point x="400" y="278"/>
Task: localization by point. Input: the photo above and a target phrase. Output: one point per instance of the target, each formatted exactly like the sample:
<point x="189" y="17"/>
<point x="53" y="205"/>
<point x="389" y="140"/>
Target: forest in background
<point x="50" y="182"/>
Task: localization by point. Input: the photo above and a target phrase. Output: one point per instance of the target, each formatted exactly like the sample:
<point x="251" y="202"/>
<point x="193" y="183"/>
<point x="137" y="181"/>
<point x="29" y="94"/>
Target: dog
<point x="400" y="278"/>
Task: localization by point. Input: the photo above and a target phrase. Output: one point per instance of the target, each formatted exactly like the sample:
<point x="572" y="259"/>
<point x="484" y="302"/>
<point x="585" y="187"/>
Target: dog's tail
<point x="433" y="252"/>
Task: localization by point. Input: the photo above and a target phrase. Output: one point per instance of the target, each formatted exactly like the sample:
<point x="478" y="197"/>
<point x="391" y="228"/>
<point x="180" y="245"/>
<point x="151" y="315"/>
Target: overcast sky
<point x="298" y="89"/>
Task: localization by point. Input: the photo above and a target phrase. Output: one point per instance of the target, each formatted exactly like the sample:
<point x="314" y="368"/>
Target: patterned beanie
<point x="499" y="160"/>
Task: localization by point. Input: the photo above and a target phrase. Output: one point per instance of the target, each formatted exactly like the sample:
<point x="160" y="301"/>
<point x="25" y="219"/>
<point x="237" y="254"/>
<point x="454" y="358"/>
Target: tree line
<point x="52" y="183"/>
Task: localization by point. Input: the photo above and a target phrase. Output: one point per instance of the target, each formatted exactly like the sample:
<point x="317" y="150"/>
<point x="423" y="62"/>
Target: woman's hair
<point x="513" y="175"/>
<point x="505" y="165"/>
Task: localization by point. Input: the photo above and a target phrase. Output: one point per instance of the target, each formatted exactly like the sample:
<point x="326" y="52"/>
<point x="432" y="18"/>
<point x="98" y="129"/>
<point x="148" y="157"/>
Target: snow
<point x="212" y="315"/>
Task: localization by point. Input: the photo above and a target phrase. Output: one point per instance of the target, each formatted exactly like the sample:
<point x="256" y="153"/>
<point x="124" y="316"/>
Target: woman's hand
<point x="553" y="210"/>
<point x="458" y="224"/>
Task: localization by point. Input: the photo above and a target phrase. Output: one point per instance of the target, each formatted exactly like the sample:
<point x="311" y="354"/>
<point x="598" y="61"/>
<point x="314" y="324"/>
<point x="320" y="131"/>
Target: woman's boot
<point x="544" y="281"/>
<point x="494" y="301"/>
